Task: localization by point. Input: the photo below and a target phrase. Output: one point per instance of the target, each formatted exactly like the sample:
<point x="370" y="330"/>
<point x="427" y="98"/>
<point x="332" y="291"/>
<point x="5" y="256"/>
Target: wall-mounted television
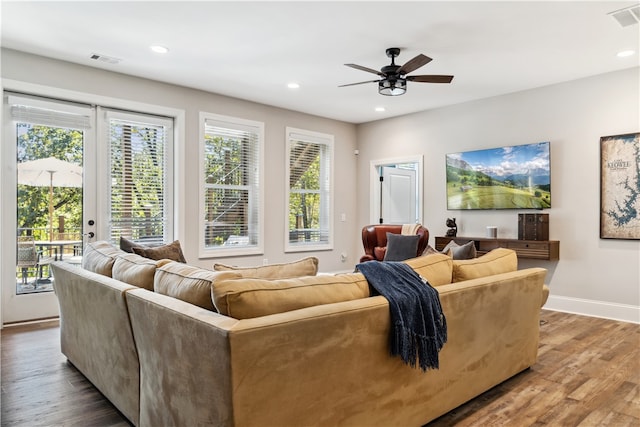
<point x="512" y="177"/>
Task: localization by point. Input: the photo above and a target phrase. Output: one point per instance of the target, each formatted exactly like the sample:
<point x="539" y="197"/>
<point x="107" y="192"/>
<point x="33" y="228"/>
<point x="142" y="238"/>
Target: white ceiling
<point x="251" y="50"/>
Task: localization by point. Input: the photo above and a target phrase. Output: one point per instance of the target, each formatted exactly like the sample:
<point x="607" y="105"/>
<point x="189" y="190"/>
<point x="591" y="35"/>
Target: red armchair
<point x="374" y="240"/>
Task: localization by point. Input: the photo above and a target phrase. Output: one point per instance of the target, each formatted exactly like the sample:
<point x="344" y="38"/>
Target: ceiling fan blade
<point x="414" y="64"/>
<point x="368" y="70"/>
<point x="430" y="79"/>
<point x="359" y="83"/>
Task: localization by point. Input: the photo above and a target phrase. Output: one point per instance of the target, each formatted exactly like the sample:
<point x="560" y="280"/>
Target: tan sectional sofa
<point x="289" y="352"/>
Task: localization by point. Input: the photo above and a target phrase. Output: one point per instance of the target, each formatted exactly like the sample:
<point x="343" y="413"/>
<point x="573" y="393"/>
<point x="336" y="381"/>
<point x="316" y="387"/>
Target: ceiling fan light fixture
<point x="389" y="87"/>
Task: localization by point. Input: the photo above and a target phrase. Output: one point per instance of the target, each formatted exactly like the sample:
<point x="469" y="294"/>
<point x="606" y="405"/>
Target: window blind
<point x="44" y="112"/>
<point x="139" y="166"/>
<point x="309" y="158"/>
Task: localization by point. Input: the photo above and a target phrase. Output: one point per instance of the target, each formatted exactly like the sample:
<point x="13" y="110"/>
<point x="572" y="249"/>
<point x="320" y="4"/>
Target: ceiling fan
<point x="394" y="77"/>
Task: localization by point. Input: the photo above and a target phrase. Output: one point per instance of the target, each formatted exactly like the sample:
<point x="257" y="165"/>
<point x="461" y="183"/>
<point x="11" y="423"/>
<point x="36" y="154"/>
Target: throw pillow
<point x="466" y="251"/>
<point x="429" y="250"/>
<point x="303" y="267"/>
<point x="499" y="260"/>
<point x="188" y="283"/>
<point x="401" y="247"/>
<point x="128" y="245"/>
<point x="248" y="298"/>
<point x="171" y="251"/>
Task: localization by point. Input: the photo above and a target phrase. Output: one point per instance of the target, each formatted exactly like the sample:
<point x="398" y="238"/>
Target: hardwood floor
<point x="39" y="387"/>
<point x="588" y="374"/>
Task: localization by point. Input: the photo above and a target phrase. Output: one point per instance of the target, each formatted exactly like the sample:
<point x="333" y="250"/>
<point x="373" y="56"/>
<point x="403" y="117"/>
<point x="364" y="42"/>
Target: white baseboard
<point x="607" y="310"/>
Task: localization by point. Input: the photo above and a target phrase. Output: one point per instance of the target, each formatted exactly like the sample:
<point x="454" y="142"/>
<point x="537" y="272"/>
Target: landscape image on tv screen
<point x="513" y="177"/>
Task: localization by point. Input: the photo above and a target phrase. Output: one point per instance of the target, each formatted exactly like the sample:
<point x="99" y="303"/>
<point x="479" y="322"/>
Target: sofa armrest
<point x="184" y="361"/>
<point x="95" y="333"/>
<point x="545" y="295"/>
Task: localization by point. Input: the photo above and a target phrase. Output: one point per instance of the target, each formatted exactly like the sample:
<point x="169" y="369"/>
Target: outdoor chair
<point x="29" y="257"/>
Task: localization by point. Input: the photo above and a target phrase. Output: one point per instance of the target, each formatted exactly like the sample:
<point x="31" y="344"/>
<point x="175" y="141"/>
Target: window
<point x="140" y="177"/>
<point x="309" y="191"/>
<point x="231" y="176"/>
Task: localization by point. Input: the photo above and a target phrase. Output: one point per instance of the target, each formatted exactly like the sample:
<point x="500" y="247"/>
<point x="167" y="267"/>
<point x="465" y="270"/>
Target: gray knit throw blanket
<point x="419" y="328"/>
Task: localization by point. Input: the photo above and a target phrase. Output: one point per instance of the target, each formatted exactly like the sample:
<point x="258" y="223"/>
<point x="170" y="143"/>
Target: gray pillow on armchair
<point x="401" y="247"/>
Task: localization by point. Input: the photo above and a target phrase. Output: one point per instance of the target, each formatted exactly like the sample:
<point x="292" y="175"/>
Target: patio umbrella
<point x="50" y="172"/>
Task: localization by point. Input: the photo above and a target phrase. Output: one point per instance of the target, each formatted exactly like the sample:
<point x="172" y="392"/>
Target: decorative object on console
<point x="533" y="226"/>
<point x="492" y="231"/>
<point x="500" y="178"/>
<point x="453" y="228"/>
<point x="620" y="186"/>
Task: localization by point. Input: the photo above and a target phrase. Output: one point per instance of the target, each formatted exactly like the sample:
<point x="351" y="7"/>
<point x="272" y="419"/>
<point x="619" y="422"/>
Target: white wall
<point x="593" y="276"/>
<point x="91" y="82"/>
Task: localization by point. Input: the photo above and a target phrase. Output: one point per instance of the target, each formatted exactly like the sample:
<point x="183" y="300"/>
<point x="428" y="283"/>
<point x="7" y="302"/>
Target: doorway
<point x="46" y="205"/>
<point x="68" y="178"/>
<point x="396" y="191"/>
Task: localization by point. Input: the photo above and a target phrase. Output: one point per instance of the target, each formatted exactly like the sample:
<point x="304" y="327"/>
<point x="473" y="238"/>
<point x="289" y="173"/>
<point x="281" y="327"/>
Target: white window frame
<point x="294" y="134"/>
<point x="105" y="115"/>
<point x="258" y="211"/>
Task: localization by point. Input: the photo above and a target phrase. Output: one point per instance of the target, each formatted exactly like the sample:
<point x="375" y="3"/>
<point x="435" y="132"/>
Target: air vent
<point x="105" y="58"/>
<point x="627" y="16"/>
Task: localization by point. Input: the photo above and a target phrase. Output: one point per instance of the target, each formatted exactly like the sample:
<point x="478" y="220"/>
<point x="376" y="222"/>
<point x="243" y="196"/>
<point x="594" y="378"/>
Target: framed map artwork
<point x="620" y="186"/>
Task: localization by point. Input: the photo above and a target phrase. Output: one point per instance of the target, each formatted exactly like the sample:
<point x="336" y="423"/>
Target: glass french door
<point x="57" y="196"/>
<point x="46" y="143"/>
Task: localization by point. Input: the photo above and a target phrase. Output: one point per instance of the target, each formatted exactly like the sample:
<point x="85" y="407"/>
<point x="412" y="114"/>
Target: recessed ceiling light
<point x="625" y="53"/>
<point x="380" y="109"/>
<point x="293" y="85"/>
<point x="159" y="49"/>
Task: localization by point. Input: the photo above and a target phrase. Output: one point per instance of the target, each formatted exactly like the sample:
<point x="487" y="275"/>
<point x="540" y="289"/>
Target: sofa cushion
<point x="136" y="270"/>
<point x="401" y="247"/>
<point x="499" y="260"/>
<point x="303" y="267"/>
<point x="171" y="251"/>
<point x="247" y="298"/>
<point x="188" y="283"/>
<point x="437" y="268"/>
<point x="99" y="257"/>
